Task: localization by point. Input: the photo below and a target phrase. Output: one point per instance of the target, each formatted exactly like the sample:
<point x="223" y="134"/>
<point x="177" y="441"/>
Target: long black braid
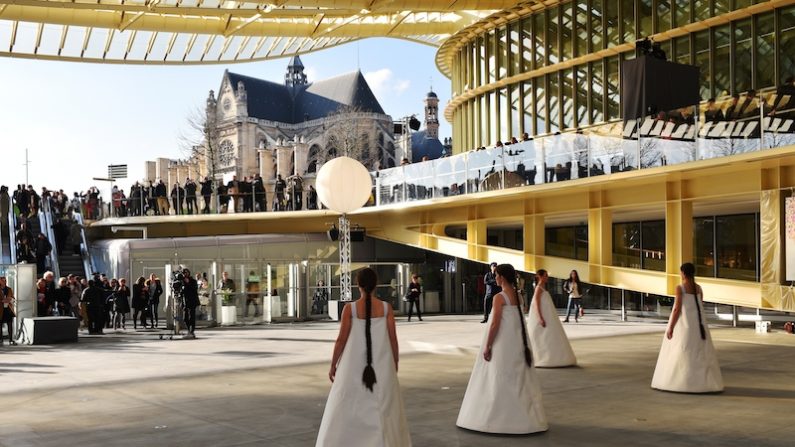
<point x="367" y="280"/>
<point x="507" y="271"/>
<point x="690" y="272"/>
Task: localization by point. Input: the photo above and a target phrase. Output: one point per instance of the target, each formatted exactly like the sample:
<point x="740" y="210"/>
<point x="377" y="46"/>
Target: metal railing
<point x="85" y="253"/>
<point x="12" y="233"/>
<point x="46" y="225"/>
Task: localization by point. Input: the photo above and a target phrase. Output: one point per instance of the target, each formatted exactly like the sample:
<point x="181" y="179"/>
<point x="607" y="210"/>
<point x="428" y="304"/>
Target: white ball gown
<point x="687" y="363"/>
<point x="503" y="395"/>
<point x="354" y="415"/>
<point x="551" y="347"/>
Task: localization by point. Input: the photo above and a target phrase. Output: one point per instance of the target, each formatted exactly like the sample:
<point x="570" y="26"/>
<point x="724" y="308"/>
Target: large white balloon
<point x="343" y="185"/>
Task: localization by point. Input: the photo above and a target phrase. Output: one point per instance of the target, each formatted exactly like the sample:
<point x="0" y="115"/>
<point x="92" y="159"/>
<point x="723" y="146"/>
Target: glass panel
<point x="450" y="176"/>
<point x="581" y="242"/>
<point x="527" y="91"/>
<point x="721" y="7"/>
<point x="739" y="4"/>
<point x="502" y="53"/>
<point x="484" y="121"/>
<point x="765" y="51"/>
<point x="582" y="95"/>
<point x="663" y="15"/>
<point x="743" y="60"/>
<point x="566" y="50"/>
<point x="505" y="117"/>
<point x="491" y="60"/>
<point x="527" y="44"/>
<point x="516" y="117"/>
<point x="483" y="174"/>
<point x="613" y="97"/>
<point x="701" y="10"/>
<point x="682" y="50"/>
<point x="645" y="14"/>
<point x="539" y="35"/>
<point x="682" y="12"/>
<point x="628" y="20"/>
<point x="787" y="42"/>
<point x="581" y="27"/>
<point x="552" y="35"/>
<point x="703" y="246"/>
<point x="515" y="55"/>
<point x="482" y="79"/>
<point x="493" y="111"/>
<point x="541" y="105"/>
<point x="567" y="96"/>
<point x="722" y="60"/>
<point x="474" y="63"/>
<point x="553" y="95"/>
<point x="653" y="239"/>
<point x="560" y="242"/>
<point x="626" y="245"/>
<point x="611" y="23"/>
<point x="701" y="43"/>
<point x="597" y="91"/>
<point x="737" y="247"/>
<point x="596" y="25"/>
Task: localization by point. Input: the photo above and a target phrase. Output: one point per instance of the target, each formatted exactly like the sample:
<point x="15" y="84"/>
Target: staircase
<point x="70" y="264"/>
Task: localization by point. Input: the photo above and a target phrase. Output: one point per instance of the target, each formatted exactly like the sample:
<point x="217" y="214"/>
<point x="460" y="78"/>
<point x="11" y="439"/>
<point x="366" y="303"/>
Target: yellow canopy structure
<point x="217" y="31"/>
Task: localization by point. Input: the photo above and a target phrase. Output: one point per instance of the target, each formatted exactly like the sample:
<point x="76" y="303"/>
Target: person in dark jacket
<point x="223" y="197"/>
<point x="206" y="192"/>
<point x="177" y="198"/>
<point x="92" y="299"/>
<point x="43" y="249"/>
<point x="155" y="291"/>
<point x="140" y="299"/>
<point x="413" y="295"/>
<point x="190" y="196"/>
<point x="62" y="295"/>
<point x="259" y="194"/>
<point x="492" y="289"/>
<point x="121" y="304"/>
<point x="108" y="287"/>
<point x="191" y="294"/>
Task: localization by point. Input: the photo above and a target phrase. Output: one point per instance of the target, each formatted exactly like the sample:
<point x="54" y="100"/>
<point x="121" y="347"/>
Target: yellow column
<point x="476" y="240"/>
<point x="533" y="232"/>
<point x="678" y="239"/>
<point x="600" y="242"/>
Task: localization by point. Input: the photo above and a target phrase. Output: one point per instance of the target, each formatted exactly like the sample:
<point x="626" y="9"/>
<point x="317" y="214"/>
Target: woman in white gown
<point x="503" y="395"/>
<point x="364" y="406"/>
<point x="688" y="362"/>
<point x="551" y="347"/>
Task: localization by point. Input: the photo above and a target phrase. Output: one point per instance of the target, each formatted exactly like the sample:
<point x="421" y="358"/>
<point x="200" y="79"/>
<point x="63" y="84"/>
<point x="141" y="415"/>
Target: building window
<point x="786" y="42"/>
<point x="567" y="242"/>
<point x="727" y="246"/>
<point x="765" y="51"/>
<point x="639" y="245"/>
<point x="743" y="58"/>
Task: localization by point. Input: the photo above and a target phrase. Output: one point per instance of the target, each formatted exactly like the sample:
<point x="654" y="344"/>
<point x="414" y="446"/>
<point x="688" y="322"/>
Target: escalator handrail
<point x="88" y="266"/>
<point x="12" y="232"/>
<point x="46" y="228"/>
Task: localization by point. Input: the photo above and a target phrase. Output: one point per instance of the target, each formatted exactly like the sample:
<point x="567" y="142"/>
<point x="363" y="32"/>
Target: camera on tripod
<point x="177" y="284"/>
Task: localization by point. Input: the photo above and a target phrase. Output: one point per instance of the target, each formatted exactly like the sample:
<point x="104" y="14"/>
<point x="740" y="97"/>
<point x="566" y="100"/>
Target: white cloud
<point x="312" y="74"/>
<point x="384" y="84"/>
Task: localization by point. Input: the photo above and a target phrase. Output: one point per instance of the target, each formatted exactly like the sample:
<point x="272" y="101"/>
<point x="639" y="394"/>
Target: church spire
<point x="432" y="115"/>
<point x="295" y="75"/>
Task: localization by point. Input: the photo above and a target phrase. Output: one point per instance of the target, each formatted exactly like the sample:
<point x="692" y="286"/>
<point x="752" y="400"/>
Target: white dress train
<point x="503" y="395"/>
<point x="687" y="363"/>
<point x="551" y="347"/>
<point x="354" y="415"/>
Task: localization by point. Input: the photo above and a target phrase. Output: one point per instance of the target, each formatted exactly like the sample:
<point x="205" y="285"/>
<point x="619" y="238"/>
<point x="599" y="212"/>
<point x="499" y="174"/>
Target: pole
<point x="623" y="306"/>
<point x="26" y="164"/>
<point x="345" y="258"/>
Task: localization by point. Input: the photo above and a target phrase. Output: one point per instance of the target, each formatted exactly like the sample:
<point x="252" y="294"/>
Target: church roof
<point x="295" y="61"/>
<point x="278" y="102"/>
<point x="422" y="146"/>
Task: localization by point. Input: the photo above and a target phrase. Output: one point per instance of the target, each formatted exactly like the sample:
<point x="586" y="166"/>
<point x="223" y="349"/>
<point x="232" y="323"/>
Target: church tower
<point x="295" y="75"/>
<point x="432" y="115"/>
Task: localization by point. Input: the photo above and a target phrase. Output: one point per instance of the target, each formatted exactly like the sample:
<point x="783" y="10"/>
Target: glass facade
<point x="754" y="52"/>
<point x="639" y="245"/>
<point x="727" y="246"/>
<point x="567" y="242"/>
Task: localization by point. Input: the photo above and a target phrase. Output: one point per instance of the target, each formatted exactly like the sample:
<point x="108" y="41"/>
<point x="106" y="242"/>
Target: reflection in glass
<point x="567" y="242"/>
<point x="653" y="244"/>
<point x="626" y="245"/>
<point x="737" y="247"/>
<point x="704" y="246"/>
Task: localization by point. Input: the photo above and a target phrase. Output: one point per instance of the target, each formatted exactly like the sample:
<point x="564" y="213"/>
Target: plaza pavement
<point x="267" y="385"/>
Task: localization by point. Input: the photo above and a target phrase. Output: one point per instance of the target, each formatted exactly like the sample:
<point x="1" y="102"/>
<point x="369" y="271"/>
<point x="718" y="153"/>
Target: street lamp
<point x="344" y="185"/>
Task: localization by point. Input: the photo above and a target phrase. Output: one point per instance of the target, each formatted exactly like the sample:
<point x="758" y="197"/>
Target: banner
<point x="789" y="236"/>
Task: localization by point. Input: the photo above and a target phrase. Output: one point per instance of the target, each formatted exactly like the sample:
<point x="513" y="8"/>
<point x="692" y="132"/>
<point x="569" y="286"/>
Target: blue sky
<point x="77" y="118"/>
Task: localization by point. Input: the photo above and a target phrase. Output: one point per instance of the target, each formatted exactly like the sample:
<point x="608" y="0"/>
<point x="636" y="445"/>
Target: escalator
<point x="8" y="246"/>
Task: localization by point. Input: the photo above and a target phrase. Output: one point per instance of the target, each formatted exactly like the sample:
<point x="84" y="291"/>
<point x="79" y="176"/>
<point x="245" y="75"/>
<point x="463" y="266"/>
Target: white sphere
<point x="343" y="185"/>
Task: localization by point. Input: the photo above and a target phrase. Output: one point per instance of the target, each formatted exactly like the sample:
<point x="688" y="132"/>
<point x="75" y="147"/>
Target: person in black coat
<point x="140" y="300"/>
<point x="190" y="196"/>
<point x="121" y="304"/>
<point x="191" y="293"/>
<point x="490" y="280"/>
<point x="413" y="295"/>
<point x="206" y="192"/>
<point x="43" y="249"/>
<point x="92" y="299"/>
<point x="155" y="291"/>
<point x="259" y="194"/>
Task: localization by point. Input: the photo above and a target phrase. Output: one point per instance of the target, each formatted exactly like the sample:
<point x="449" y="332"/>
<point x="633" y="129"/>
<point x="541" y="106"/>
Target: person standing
<point x="206" y="192"/>
<point x="259" y="194"/>
<point x="311" y="198"/>
<point x="278" y="189"/>
<point x="95" y="307"/>
<point x="155" y="291"/>
<point x="688" y="362"/>
<point x="364" y="406"/>
<point x="140" y="299"/>
<point x="551" y="347"/>
<point x="191" y="293"/>
<point x="320" y="298"/>
<point x="121" y="304"/>
<point x="5" y="206"/>
<point x="232" y="188"/>
<point x="413" y="295"/>
<point x="7" y="311"/>
<point x="492" y="289"/>
<point x="190" y="196"/>
<point x="504" y="393"/>
<point x="572" y="287"/>
<point x="43" y="249"/>
<point x="177" y="198"/>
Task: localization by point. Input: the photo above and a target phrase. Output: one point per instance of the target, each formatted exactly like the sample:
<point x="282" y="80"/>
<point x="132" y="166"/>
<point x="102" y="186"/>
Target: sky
<point x="75" y="118"/>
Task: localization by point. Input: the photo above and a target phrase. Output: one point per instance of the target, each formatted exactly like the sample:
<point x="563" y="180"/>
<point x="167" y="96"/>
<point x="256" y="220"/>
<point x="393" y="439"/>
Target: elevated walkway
<point x="459" y="225"/>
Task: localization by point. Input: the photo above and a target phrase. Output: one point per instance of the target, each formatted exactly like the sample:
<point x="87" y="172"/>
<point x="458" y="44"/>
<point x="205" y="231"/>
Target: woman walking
<point x="688" y="362"/>
<point x="551" y="347"/>
<point x="572" y="287"/>
<point x="364" y="406"/>
<point x="503" y="395"/>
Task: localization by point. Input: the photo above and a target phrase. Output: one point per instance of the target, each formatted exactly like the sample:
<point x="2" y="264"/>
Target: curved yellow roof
<point x="218" y="31"/>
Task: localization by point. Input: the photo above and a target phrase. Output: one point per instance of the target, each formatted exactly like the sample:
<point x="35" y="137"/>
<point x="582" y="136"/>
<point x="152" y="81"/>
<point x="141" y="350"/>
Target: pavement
<point x="267" y="385"/>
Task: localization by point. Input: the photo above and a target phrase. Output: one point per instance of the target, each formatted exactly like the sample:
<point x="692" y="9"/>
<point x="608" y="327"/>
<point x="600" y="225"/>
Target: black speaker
<point x="357" y="235"/>
<point x="650" y="85"/>
<point x="333" y="234"/>
<point x="414" y="123"/>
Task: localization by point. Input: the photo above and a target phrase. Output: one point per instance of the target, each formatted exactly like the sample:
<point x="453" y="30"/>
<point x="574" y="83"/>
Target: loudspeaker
<point x="47" y="330"/>
<point x="357" y="235"/>
<point x="414" y="123"/>
<point x="650" y="85"/>
<point x="333" y="234"/>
